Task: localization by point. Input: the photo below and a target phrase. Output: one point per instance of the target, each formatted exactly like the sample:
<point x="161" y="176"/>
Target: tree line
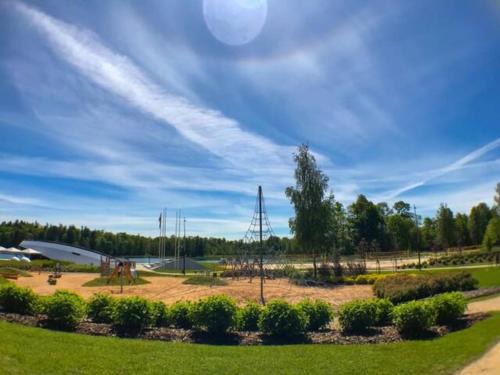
<point x="323" y="226"/>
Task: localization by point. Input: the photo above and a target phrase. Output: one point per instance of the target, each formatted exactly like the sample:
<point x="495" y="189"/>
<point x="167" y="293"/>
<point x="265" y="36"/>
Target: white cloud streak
<point x="116" y="73"/>
<point x="460" y="163"/>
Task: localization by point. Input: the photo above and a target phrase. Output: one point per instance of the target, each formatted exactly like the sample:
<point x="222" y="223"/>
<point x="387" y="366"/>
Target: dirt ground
<point x="171" y="289"/>
<point x="490" y="362"/>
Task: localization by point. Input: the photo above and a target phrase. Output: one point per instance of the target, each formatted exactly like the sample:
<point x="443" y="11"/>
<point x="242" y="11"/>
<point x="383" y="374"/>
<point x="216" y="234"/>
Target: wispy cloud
<point x="460" y="163"/>
<point x="205" y="127"/>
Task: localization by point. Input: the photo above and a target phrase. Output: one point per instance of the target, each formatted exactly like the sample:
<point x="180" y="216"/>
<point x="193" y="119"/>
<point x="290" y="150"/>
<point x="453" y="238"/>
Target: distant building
<point x="59" y="251"/>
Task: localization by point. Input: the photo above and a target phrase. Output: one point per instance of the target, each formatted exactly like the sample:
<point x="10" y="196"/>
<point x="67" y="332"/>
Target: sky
<point x="111" y="110"/>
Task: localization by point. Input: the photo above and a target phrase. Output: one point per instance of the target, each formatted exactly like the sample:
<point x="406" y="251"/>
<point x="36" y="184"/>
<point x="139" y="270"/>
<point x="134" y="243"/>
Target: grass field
<point x="487" y="276"/>
<point x="204" y="280"/>
<point x="103" y="281"/>
<point x="27" y="350"/>
<point x="3" y="281"/>
<point x="15" y="271"/>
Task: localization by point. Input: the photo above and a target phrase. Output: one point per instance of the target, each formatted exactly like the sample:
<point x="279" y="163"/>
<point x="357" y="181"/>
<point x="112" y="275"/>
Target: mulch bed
<point x="374" y="336"/>
<point x="481" y="292"/>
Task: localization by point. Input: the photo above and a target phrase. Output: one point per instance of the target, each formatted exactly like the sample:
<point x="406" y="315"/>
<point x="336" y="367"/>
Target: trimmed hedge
<point x="179" y="314"/>
<point x="357" y="315"/>
<point x="383" y="311"/>
<point x="318" y="313"/>
<point x="449" y="307"/>
<point x="100" y="308"/>
<point x="17" y="299"/>
<point x="248" y="317"/>
<point x="216" y="314"/>
<point x="64" y="310"/>
<point x="159" y="314"/>
<point x="132" y="314"/>
<point x="415" y="317"/>
<point x="407" y="287"/>
<point x="281" y="319"/>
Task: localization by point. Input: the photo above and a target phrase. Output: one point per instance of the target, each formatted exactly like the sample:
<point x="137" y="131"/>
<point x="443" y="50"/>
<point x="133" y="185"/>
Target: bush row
<point x="217" y="314"/>
<point x="214" y="314"/>
<point x="407" y="287"/>
<point x="411" y="318"/>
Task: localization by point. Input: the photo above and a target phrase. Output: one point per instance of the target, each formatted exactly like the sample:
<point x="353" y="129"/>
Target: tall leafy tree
<point x="308" y="198"/>
<point x="445" y="226"/>
<point x="366" y="220"/>
<point x="479" y="217"/>
<point x="492" y="234"/>
<point x="462" y="226"/>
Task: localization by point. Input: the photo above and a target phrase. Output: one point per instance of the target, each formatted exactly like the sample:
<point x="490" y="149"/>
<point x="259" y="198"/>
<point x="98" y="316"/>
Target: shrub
<point x="281" y="319"/>
<point x="407" y="287"/>
<point x="318" y="313"/>
<point x="159" y="313"/>
<point x="248" y="317"/>
<point x="100" y="308"/>
<point x="132" y="314"/>
<point x="64" y="310"/>
<point x="449" y="307"/>
<point x="216" y="314"/>
<point x="357" y="315"/>
<point x="413" y="318"/>
<point x="383" y="311"/>
<point x="179" y="314"/>
<point x="17" y="299"/>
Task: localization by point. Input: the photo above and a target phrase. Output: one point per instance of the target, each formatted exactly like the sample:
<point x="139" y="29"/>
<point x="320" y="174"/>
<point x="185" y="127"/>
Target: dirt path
<point x="486" y="305"/>
<point x="171" y="289"/>
<point x="488" y="364"/>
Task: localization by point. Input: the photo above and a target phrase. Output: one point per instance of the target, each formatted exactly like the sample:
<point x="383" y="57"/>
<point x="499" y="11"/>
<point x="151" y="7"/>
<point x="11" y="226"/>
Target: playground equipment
<point x="125" y="271"/>
<point x="52" y="279"/>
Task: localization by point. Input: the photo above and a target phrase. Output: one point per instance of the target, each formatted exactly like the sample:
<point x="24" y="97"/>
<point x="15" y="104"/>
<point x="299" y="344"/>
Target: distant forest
<point x="363" y="226"/>
<point x="14" y="232"/>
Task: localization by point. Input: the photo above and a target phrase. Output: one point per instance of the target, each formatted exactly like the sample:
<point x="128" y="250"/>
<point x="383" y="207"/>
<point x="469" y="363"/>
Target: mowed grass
<point x="487" y="276"/>
<point x="204" y="280"/>
<point x="14" y="271"/>
<point x="27" y="350"/>
<point x="103" y="281"/>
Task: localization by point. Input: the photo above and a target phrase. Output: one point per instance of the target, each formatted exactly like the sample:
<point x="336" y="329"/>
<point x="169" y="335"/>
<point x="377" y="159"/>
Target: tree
<point x="400" y="230"/>
<point x="402" y="208"/>
<point x="492" y="233"/>
<point x="479" y="217"/>
<point x="445" y="227"/>
<point x="462" y="226"/>
<point x="366" y="220"/>
<point x="308" y="199"/>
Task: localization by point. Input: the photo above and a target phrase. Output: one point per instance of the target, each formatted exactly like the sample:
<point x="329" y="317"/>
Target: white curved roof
<point x="59" y="251"/>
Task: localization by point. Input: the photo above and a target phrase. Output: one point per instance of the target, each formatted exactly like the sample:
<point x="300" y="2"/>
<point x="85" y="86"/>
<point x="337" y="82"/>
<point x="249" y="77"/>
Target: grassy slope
<point x="204" y="280"/>
<point x="27" y="350"/>
<point x="487" y="276"/>
<point x="103" y="281"/>
<point x="3" y="281"/>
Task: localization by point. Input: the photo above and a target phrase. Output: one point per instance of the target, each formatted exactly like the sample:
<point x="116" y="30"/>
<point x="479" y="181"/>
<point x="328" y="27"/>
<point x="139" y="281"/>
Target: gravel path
<point x="488" y="364"/>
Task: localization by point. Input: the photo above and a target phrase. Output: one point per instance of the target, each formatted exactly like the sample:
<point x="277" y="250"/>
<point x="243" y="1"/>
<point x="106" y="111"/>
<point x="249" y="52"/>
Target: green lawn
<point x="103" y="281"/>
<point x="487" y="276"/>
<point x="204" y="280"/>
<point x="3" y="280"/>
<point x="27" y="350"/>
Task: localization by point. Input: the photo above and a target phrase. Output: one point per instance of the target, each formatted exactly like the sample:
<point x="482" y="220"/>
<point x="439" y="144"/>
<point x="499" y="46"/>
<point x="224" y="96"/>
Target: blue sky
<point x="110" y="110"/>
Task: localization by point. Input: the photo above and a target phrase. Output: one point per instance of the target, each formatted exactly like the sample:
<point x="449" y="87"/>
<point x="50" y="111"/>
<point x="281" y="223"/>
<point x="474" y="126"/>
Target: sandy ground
<point x="486" y="305"/>
<point x="171" y="289"/>
<point x="490" y="362"/>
